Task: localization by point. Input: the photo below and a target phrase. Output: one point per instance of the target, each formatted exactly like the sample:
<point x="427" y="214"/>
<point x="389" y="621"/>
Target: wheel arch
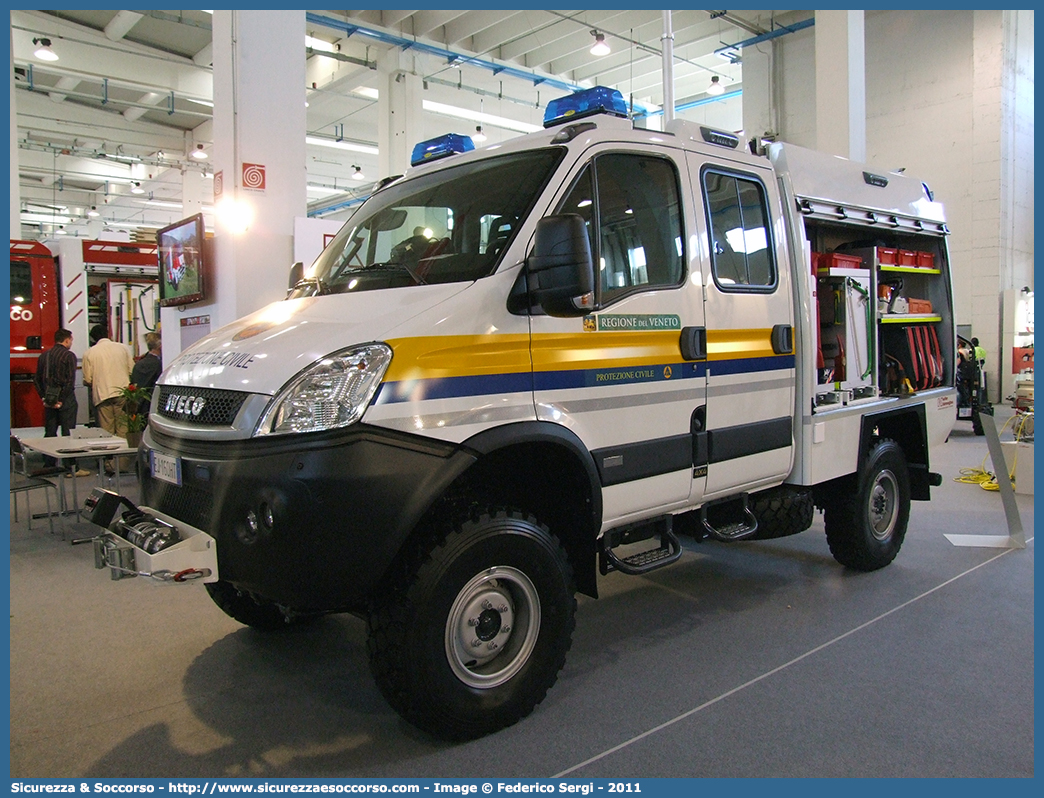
<point x="908" y="427"/>
<point x="544" y="469"/>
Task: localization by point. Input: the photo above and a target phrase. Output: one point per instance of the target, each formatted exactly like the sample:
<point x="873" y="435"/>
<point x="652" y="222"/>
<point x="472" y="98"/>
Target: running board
<point x="733" y="519"/>
<point x="643" y="562"/>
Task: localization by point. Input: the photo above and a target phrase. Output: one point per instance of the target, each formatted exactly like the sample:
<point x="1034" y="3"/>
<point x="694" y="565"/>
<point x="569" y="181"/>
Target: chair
<point x="22" y="481"/>
<point x="499" y="233"/>
<point x="18" y="458"/>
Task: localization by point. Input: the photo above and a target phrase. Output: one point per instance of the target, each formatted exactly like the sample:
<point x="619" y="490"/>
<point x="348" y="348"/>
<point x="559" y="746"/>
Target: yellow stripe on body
<point x="734" y="344"/>
<point x="438" y="356"/>
<point x="568" y="351"/>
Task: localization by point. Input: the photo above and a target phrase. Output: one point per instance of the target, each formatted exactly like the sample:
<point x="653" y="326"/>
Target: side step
<point x="668" y="551"/>
<point x="729" y="520"/>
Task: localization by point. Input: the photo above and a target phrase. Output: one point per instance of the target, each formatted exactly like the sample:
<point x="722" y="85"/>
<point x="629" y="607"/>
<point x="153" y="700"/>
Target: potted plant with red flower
<point x="133" y="419"/>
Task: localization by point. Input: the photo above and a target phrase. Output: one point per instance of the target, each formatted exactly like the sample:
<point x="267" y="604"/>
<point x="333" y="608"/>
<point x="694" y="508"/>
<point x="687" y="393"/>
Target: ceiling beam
<point x="36" y="113"/>
<point x="391" y="19"/>
<point x="204" y="57"/>
<point x="473" y="22"/>
<point x="87" y="54"/>
<point x="493" y="39"/>
<point x="121" y="24"/>
<point x="149" y="98"/>
<point x="67" y="84"/>
<point x="425" y="22"/>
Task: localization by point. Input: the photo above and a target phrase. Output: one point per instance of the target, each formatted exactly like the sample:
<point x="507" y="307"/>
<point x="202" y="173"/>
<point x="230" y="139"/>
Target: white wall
<point x="949" y="96"/>
<point x="1022" y="148"/>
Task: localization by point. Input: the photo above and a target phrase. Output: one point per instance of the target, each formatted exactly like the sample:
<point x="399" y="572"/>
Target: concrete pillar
<point x="1002" y="175"/>
<point x="400" y="122"/>
<point x="758" y="95"/>
<point x="840" y="84"/>
<point x="192" y="191"/>
<point x="259" y="149"/>
<point x="15" y="192"/>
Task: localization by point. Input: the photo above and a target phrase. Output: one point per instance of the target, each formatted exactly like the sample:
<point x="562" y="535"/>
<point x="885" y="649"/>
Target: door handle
<point x="783" y="339"/>
<point x="694" y="343"/>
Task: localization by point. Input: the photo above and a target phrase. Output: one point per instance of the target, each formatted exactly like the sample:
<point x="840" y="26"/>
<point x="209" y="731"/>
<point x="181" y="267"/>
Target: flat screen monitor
<point x="182" y="262"/>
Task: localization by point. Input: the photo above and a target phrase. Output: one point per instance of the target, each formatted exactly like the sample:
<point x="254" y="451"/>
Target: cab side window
<point x="21" y="283"/>
<point x="741" y="242"/>
<point x="633" y="214"/>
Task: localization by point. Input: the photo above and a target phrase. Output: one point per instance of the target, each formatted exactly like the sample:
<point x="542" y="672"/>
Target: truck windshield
<point x="448" y="226"/>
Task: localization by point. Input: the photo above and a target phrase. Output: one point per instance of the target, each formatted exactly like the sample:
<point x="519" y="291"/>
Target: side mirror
<point x="561" y="272"/>
<point x="296" y="274"/>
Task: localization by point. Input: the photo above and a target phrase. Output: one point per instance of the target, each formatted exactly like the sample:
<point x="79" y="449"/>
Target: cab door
<point x="750" y="326"/>
<point x="616" y="377"/>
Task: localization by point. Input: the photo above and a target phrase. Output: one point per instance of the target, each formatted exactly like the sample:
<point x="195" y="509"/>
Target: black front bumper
<point x="341" y="506"/>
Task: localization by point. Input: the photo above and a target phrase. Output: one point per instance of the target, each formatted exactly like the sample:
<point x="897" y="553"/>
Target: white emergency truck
<point x="519" y="366"/>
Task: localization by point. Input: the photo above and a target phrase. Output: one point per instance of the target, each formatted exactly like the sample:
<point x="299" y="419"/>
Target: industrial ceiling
<point x="131" y="94"/>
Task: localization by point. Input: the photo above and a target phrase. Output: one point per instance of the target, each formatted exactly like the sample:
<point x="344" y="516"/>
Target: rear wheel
<point x="476" y="634"/>
<point x="866" y="520"/>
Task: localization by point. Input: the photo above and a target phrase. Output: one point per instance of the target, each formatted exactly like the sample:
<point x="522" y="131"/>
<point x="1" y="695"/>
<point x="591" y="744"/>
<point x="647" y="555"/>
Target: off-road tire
<point x="781" y="512"/>
<point x="252" y="610"/>
<point x="866" y="517"/>
<point x="495" y="577"/>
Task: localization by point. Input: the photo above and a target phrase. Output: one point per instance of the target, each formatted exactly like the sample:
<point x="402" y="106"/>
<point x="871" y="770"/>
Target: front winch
<point x="143" y="542"/>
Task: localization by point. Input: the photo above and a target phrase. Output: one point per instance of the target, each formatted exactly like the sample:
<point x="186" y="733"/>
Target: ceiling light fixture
<point x="199" y="154"/>
<point x="43" y="50"/>
<point x="600" y="47"/>
<point x="137" y="189"/>
<point x="312" y="43"/>
<point x="45" y="218"/>
<point x="479" y="136"/>
<point x="93" y="212"/>
<point x="358" y="173"/>
<point x="477" y="116"/>
<point x="715" y="86"/>
<point x="319" y="141"/>
<point x="728" y="53"/>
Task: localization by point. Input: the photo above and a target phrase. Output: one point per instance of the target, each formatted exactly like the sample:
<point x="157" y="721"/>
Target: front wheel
<point x="866" y="520"/>
<point x="476" y="635"/>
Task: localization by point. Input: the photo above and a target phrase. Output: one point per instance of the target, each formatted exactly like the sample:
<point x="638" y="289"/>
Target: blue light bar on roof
<point x="599" y="100"/>
<point x="440" y="147"/>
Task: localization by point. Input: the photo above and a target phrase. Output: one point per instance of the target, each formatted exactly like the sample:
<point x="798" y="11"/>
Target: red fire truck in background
<point x="75" y="284"/>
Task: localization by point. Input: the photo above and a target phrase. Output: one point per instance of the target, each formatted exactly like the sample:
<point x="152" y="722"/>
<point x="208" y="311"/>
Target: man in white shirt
<point x="106" y="371"/>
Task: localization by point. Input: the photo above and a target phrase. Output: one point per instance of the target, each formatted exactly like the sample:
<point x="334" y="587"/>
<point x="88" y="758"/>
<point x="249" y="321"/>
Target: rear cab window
<point x="742" y="250"/>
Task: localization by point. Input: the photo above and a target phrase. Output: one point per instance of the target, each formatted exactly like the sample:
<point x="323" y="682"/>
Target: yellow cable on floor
<point x="987" y="480"/>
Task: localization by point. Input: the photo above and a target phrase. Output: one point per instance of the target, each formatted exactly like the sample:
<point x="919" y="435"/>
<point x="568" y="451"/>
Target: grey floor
<point x="751" y="659"/>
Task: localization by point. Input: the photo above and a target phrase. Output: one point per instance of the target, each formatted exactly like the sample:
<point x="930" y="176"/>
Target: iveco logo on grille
<point x="184" y="405"/>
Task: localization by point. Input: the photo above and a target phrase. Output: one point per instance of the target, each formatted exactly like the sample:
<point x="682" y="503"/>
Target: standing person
<point x="106" y="369"/>
<point x="55" y="382"/>
<point x="980" y="359"/>
<point x="147" y="370"/>
<point x="980" y="352"/>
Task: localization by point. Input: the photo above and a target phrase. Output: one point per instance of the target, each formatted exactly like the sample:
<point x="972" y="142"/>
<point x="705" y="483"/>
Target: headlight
<point x="332" y="392"/>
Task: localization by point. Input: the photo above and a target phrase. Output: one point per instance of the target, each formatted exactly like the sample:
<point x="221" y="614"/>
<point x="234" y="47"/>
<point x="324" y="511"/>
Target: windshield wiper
<point x="391" y="265"/>
<point x="321" y="287"/>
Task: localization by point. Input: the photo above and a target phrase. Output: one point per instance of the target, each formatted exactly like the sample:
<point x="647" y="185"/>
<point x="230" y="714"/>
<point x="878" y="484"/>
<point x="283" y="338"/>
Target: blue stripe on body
<point x="751" y="365"/>
<point x="499" y="384"/>
<point x="450" y="387"/>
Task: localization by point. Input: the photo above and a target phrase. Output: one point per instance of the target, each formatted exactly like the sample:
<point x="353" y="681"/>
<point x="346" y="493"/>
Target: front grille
<point x="215" y="407"/>
<point x="189" y="503"/>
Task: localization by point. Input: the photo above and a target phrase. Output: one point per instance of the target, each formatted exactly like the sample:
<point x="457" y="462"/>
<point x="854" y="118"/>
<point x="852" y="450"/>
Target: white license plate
<point x="963" y="412"/>
<point x="165" y="467"/>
